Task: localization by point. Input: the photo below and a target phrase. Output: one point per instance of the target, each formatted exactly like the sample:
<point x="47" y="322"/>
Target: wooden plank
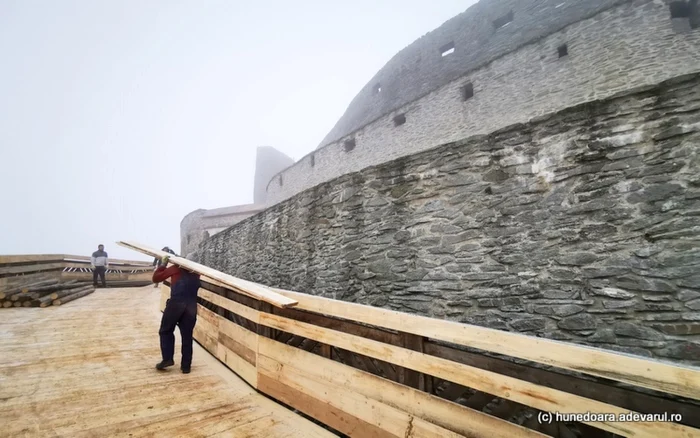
<point x="341" y="325"/>
<point x="262" y="330"/>
<point x="240" y="334"/>
<point x="207" y="336"/>
<point x="236" y="347"/>
<point x="394" y="422"/>
<point x="660" y="376"/>
<point x="238" y="364"/>
<point x="407" y="376"/>
<point x="323" y="412"/>
<point x="238" y="357"/>
<point x="30" y="268"/>
<point x="26" y="258"/>
<point x="622" y="397"/>
<point x="443" y="413"/>
<point x="73" y="297"/>
<point x="209" y="316"/>
<point x="326" y="351"/>
<point x="254" y="290"/>
<point x="526" y="393"/>
<point x="239" y="309"/>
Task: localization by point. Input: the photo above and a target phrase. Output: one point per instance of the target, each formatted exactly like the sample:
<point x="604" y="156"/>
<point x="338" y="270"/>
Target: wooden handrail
<point x="662" y="376"/>
<point x="50" y="258"/>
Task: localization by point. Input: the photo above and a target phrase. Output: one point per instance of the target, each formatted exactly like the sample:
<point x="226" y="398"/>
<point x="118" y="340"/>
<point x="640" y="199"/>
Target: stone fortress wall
<point x="581" y="226"/>
<point x="506" y="62"/>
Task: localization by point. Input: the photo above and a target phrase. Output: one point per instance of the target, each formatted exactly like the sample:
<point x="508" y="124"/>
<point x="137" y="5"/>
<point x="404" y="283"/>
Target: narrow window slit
<point x="349" y="144"/>
<point x="563" y="50"/>
<point x="467" y="91"/>
<point x="503" y="21"/>
<point x="447" y="49"/>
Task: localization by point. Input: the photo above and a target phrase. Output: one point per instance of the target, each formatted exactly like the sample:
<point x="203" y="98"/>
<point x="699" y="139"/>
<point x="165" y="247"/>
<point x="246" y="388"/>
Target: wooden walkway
<point x="86" y="369"/>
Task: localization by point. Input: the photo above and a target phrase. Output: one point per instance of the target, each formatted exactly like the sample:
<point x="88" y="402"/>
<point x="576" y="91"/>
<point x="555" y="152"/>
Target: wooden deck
<point x="87" y="369"/>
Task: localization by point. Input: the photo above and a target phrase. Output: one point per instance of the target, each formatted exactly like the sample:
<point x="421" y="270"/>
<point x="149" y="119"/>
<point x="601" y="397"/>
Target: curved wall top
<point x="420" y="68"/>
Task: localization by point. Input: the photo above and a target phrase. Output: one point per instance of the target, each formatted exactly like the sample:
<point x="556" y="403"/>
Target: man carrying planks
<point x="100" y="263"/>
<point x="180" y="310"/>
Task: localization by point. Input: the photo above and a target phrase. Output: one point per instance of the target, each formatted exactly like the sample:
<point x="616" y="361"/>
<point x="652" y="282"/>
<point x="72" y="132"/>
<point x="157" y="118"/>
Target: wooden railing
<point x="367" y="372"/>
<point x="14" y="268"/>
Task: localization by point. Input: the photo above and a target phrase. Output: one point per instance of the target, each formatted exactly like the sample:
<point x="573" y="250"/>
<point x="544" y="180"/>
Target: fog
<point x="117" y="118"/>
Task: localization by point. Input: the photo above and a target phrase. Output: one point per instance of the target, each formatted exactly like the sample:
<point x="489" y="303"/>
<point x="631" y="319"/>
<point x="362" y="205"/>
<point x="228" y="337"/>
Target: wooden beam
<point x="254" y="290"/>
<point x="526" y="393"/>
<point x="30" y="268"/>
<point x="27" y="258"/>
<point x="238" y="309"/>
<point x="655" y="375"/>
<point x="393" y="422"/>
<point x="72" y="297"/>
<point x="406" y="375"/>
<point x="237" y="364"/>
<point x="446" y="414"/>
<point x="623" y="397"/>
<point x="341" y="325"/>
<point x="24" y="288"/>
<point x="326" y="351"/>
<point x="323" y="412"/>
<point x="262" y="330"/>
<point x="64" y="293"/>
<point x="233" y="345"/>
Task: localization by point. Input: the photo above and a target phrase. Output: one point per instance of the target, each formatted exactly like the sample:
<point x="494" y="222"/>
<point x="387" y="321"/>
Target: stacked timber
<point x="44" y="293"/>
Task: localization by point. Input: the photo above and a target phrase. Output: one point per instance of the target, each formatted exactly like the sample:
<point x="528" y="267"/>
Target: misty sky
<point x="117" y="118"/>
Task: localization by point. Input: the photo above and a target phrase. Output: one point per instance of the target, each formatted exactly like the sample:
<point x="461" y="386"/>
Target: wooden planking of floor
<point x="86" y="369"/>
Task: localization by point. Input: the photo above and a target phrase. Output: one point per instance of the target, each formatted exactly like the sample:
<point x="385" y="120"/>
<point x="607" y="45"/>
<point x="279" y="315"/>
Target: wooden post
<point x="262" y="330"/>
<point x="409" y="377"/>
<point x="326" y="351"/>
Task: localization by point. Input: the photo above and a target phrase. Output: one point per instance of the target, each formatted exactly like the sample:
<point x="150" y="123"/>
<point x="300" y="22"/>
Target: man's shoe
<point x="164" y="364"/>
<point x="185" y="370"/>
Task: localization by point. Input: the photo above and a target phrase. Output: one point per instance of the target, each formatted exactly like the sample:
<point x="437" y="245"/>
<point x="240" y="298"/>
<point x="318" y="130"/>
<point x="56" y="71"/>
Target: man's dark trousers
<point x="99" y="270"/>
<point x="184" y="315"/>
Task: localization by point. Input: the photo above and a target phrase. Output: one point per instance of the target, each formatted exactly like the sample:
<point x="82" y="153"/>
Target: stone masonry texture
<point x="516" y="74"/>
<point x="582" y="226"/>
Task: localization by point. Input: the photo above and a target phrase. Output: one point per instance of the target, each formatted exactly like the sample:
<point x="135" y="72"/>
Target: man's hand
<point x="164" y="261"/>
